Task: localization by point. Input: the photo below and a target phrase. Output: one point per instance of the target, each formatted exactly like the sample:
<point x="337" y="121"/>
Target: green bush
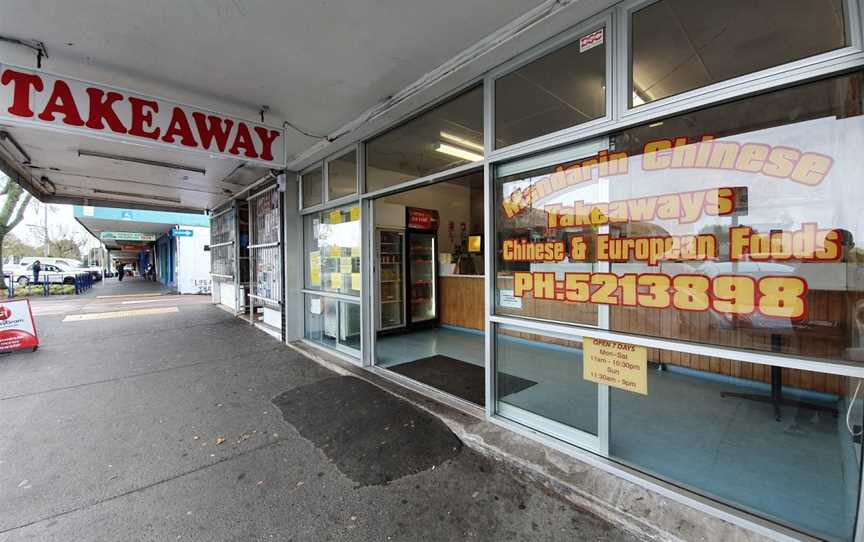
<point x="38" y="290"/>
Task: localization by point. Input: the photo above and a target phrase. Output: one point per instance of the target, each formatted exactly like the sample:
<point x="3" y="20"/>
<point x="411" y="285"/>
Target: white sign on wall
<point x="35" y="98"/>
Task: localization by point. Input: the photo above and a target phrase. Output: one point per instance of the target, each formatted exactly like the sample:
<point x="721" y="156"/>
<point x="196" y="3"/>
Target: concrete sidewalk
<point x="192" y="425"/>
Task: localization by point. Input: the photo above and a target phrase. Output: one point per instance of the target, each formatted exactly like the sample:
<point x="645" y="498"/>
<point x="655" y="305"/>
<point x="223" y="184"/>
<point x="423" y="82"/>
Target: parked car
<point x="67" y="263"/>
<point x="55" y="274"/>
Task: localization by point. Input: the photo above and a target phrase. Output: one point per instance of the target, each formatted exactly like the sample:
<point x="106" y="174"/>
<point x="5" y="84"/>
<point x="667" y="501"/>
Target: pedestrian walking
<point x="37" y="267"/>
<point x="121" y="271"/>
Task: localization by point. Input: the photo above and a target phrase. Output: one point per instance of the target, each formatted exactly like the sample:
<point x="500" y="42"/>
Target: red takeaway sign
<point x="39" y="99"/>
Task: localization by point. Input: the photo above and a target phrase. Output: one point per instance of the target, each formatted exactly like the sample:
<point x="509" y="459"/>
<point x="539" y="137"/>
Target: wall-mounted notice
<point x="620" y="365"/>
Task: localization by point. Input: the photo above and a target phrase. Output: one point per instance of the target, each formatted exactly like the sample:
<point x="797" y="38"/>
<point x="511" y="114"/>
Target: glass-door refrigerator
<point x="391" y="283"/>
<point x="421" y="240"/>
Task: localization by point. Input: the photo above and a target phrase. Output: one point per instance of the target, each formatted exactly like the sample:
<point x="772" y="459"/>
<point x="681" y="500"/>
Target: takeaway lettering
<point x="45" y="98"/>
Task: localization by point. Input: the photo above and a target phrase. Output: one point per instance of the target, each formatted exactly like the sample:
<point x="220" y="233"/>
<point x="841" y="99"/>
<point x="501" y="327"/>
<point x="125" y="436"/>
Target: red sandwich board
<point x="17" y="328"/>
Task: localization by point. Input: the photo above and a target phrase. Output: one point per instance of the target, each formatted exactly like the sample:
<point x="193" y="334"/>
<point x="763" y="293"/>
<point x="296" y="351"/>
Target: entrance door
<point x="537" y="365"/>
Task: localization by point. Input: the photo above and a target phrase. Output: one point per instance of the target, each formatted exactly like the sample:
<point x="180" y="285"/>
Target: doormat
<point x="464" y="380"/>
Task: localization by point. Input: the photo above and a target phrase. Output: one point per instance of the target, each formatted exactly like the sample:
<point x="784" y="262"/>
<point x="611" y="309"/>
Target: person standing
<point x="37" y="267"/>
<point x="121" y="271"/>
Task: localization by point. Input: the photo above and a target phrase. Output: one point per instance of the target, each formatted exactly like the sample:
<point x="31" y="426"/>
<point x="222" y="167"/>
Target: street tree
<point x="14" y="201"/>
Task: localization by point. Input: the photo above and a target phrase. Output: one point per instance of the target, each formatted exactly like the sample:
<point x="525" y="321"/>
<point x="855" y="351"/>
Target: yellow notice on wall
<point x="355" y="252"/>
<point x="336" y="217"/>
<point x="355" y="281"/>
<point x="620" y="365"/>
<point x="335" y="251"/>
<point x="336" y="280"/>
<point x="345" y="264"/>
<point x="355" y="213"/>
<point x="315" y="268"/>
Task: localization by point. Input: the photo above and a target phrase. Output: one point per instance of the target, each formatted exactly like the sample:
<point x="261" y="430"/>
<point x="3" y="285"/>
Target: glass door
<point x="391" y="283"/>
<point x="423" y="274"/>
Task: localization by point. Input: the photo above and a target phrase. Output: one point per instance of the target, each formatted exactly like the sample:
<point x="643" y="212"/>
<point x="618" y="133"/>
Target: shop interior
<point x="429" y="279"/>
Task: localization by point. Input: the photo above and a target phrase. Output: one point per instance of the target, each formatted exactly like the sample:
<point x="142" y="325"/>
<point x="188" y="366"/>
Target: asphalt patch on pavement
<point x="371" y="436"/>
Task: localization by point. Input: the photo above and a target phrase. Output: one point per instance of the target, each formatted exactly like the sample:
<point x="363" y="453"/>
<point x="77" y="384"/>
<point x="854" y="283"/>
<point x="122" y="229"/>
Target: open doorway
<point x="429" y="282"/>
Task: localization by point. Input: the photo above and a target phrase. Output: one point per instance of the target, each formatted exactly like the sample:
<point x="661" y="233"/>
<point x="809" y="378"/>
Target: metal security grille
<point x="223" y="228"/>
<point x="264" y="242"/>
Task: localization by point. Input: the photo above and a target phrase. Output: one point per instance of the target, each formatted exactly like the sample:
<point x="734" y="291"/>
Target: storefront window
<point x="735" y="226"/>
<point x="448" y="136"/>
<point x="680" y="45"/>
<point x="718" y="435"/>
<point x="312" y="184"/>
<point x="332" y="246"/>
<point x="333" y="323"/>
<point x="542" y="375"/>
<point x="342" y="176"/>
<point x="562" y="89"/>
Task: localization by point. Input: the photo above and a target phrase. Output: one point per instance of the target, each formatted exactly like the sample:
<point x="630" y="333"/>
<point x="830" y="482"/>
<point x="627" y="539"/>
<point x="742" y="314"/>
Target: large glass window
<point x="449" y="135"/>
<point x="562" y="89"/>
<point x="333" y="323"/>
<point x="680" y="45"/>
<point x="332" y="247"/>
<point x="342" y="176"/>
<point x="735" y="226"/>
<point x="312" y="185"/>
<point x="542" y="375"/>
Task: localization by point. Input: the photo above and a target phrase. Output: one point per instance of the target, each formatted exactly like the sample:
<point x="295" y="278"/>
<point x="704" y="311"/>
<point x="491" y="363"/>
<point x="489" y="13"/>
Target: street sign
<point x="175" y="232"/>
<point x="127" y="236"/>
<point x="17" y="330"/>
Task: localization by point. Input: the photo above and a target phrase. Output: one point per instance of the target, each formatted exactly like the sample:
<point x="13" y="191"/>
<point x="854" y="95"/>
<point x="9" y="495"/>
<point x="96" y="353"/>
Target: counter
<point x="462" y="300"/>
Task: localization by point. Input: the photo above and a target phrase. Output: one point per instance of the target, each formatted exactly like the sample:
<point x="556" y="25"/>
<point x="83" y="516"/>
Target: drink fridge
<point x="391" y="283"/>
<point x="421" y="240"/>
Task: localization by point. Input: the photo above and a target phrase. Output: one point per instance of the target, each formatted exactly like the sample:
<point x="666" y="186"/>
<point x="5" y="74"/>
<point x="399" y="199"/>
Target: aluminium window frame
<point x="326" y="175"/>
<point x="300" y="203"/>
<point x="354" y="356"/>
<point x="787" y="73"/>
<point x="570" y="36"/>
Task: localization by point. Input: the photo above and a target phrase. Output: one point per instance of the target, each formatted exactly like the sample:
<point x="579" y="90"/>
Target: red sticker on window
<point x="591" y="40"/>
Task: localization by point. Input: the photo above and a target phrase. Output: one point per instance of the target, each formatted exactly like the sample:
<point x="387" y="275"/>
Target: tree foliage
<point x="14" y="201"/>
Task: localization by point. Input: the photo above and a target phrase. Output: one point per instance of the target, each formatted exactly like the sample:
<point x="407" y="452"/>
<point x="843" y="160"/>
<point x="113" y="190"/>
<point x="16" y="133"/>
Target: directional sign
<point x="127" y="236"/>
<point x="175" y="232"/>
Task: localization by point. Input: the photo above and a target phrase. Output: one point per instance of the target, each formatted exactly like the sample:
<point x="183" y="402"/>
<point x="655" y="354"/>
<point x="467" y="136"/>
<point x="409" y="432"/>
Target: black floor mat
<point x="464" y="380"/>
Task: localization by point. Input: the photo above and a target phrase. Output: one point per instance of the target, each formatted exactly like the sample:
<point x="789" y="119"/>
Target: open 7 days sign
<point x="17" y="330"/>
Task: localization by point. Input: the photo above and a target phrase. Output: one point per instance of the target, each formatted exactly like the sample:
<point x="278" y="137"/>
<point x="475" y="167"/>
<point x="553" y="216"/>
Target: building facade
<point x="636" y="242"/>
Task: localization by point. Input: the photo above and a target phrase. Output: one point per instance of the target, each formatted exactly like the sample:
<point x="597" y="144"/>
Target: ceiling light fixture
<point x="135" y="195"/>
<point x="458" y="152"/>
<point x="461" y="141"/>
<point x="144" y="161"/>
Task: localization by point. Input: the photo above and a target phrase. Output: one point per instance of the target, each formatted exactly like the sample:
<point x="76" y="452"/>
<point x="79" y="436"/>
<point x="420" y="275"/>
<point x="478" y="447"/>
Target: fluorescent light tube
<point x="461" y="141"/>
<point x="458" y="152"/>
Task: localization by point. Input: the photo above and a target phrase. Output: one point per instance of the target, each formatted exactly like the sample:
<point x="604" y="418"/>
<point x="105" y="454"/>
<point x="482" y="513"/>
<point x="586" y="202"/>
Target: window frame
<point x="326" y="175"/>
<point x="301" y="203"/>
<point x="774" y="76"/>
<point x="571" y="35"/>
<point x="473" y="84"/>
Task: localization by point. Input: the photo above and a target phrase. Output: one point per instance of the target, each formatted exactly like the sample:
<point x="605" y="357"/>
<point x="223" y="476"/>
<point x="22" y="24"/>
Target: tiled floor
<point x="801" y="470"/>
